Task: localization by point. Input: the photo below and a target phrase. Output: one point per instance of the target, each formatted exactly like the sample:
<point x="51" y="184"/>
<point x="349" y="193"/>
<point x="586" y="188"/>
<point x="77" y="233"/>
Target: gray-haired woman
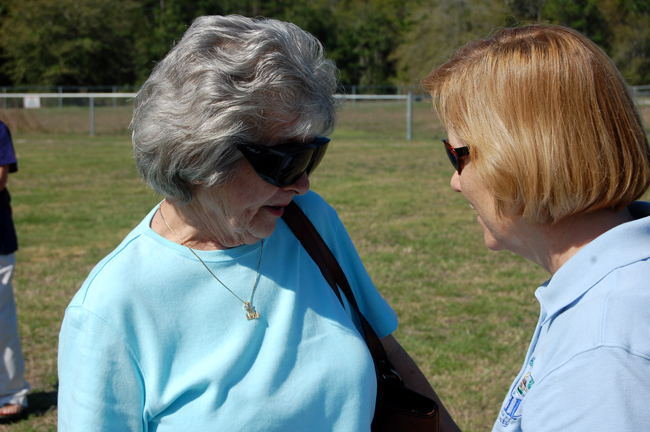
<point x="210" y="315"/>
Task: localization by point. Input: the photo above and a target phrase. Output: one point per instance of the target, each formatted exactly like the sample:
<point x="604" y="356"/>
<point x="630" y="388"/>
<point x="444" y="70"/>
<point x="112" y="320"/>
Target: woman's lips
<point x="276" y="210"/>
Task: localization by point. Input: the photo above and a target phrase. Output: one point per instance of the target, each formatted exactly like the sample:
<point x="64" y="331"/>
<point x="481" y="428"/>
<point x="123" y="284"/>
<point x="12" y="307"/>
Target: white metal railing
<point x="92" y="96"/>
<point x="641" y="95"/>
<point x="407" y="97"/>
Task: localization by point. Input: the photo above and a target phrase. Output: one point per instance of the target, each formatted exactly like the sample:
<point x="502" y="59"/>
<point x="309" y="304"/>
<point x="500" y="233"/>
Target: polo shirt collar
<point x="620" y="246"/>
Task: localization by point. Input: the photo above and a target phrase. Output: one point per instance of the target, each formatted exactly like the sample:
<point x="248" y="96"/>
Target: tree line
<point x="374" y="42"/>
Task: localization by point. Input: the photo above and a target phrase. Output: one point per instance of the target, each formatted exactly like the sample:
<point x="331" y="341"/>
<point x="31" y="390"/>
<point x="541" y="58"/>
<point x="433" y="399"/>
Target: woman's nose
<point x="455" y="181"/>
<point x="300" y="186"/>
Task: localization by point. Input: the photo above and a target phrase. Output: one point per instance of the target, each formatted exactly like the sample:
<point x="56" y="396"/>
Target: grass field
<point x="466" y="314"/>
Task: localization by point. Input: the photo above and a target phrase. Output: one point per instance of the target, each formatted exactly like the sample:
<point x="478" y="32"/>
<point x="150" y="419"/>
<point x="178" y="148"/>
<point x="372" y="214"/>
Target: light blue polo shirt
<point x="588" y="365"/>
<point x="151" y="342"/>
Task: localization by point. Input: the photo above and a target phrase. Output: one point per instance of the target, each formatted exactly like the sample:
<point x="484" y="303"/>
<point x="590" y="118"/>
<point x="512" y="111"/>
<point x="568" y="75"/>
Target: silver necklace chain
<point x="251" y="313"/>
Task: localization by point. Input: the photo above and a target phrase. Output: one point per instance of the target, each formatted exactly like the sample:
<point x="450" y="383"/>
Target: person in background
<point x="13" y="387"/>
<point x="550" y="151"/>
<point x="211" y="315"/>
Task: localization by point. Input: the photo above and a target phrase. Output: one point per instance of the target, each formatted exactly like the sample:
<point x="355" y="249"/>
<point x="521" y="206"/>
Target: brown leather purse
<point x="398" y="409"/>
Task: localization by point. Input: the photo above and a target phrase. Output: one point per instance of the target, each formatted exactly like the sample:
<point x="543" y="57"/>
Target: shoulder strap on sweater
<point x="316" y="247"/>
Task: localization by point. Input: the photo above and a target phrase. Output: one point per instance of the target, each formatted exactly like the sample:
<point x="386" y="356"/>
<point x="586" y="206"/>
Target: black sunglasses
<point x="456" y="155"/>
<point x="283" y="164"/>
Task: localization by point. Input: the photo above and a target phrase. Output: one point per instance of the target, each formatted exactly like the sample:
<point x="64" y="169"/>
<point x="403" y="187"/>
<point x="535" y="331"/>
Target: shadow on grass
<point x="40" y="402"/>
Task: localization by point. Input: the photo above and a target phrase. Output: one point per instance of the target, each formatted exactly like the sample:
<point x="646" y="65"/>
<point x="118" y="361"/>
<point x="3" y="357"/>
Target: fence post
<point x="4" y="98"/>
<point x="92" y="116"/>
<point x="114" y="99"/>
<point x="60" y="98"/>
<point x="409" y="116"/>
<point x="354" y="92"/>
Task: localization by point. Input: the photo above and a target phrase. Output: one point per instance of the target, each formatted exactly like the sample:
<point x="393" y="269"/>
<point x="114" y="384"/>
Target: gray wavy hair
<point x="229" y="80"/>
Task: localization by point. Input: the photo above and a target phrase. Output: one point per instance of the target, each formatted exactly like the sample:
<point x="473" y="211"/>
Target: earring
<point x="197" y="181"/>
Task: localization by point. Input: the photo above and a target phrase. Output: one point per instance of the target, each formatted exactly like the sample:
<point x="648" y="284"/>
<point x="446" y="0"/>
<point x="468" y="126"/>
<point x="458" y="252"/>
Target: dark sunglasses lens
<point x="317" y="157"/>
<point x="304" y="161"/>
<point x="262" y="162"/>
<point x="293" y="168"/>
<point x="452" y="157"/>
<point x="283" y="165"/>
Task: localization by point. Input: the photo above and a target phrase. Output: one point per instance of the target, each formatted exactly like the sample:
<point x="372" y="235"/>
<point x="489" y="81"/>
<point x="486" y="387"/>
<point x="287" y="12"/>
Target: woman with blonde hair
<point x="551" y="153"/>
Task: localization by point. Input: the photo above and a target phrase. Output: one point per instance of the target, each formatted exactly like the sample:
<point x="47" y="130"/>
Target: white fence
<point x="60" y="96"/>
<point x="33" y="99"/>
<point x="641" y="95"/>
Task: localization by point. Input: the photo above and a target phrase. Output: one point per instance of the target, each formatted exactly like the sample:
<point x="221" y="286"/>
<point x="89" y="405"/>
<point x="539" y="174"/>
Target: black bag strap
<point x="316" y="247"/>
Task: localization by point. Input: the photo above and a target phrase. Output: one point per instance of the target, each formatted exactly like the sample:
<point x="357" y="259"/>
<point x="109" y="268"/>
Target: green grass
<point x="466" y="313"/>
<point x="74" y="199"/>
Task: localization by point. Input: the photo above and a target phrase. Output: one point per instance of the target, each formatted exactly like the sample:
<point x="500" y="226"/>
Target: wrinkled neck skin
<point x="201" y="225"/>
<point x="550" y="246"/>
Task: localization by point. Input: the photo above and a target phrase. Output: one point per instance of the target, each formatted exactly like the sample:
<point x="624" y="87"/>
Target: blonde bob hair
<point x="550" y="125"/>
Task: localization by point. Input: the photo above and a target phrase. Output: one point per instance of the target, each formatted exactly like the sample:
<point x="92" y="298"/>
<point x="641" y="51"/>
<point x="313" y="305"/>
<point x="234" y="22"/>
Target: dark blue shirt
<point x="8" y="240"/>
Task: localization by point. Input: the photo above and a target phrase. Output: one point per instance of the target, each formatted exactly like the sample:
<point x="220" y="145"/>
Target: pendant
<point x="251" y="313"/>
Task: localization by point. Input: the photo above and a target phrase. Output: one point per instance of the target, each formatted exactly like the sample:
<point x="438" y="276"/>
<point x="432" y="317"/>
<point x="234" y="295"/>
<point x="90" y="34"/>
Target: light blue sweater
<point x="152" y="342"/>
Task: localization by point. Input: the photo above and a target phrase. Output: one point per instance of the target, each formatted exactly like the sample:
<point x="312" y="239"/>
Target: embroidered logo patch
<point x="511" y="409"/>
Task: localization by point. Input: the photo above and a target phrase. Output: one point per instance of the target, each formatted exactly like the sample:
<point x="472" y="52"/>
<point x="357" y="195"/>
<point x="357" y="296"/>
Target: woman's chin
<point x="263" y="229"/>
<point x="491" y="242"/>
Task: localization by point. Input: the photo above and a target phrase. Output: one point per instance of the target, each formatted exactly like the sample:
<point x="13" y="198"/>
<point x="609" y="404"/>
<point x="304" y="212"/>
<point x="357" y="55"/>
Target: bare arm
<point x="415" y="380"/>
<point x="4" y="175"/>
